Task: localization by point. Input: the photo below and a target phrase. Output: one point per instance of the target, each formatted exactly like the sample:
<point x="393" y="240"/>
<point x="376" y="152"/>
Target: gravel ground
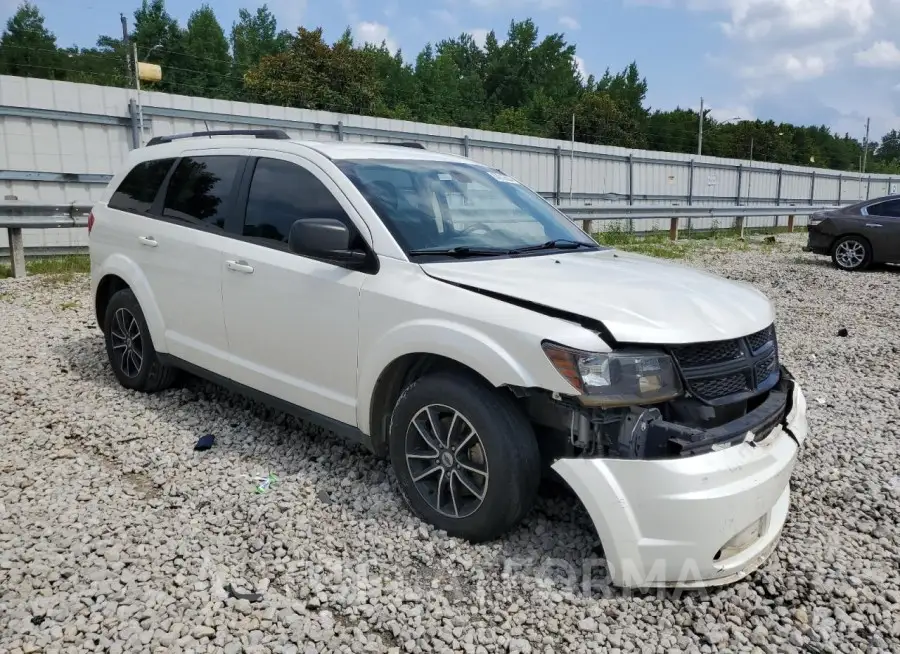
<point x="116" y="536"/>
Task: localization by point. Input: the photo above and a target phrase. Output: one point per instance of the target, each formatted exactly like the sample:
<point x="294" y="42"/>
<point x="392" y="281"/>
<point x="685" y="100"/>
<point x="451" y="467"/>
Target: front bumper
<point x="691" y="522"/>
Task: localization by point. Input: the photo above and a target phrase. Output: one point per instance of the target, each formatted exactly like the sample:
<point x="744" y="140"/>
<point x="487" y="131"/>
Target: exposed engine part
<point x="633" y="433"/>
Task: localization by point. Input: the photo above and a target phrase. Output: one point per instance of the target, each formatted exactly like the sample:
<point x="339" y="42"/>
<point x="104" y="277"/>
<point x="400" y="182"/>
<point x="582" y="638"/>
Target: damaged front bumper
<point x="701" y="519"/>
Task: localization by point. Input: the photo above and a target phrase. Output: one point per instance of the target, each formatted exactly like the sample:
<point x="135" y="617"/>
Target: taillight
<point x="90" y="222"/>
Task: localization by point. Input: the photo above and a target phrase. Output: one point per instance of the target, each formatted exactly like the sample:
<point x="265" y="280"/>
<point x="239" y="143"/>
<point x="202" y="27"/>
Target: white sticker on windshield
<point x="445" y="177"/>
<point x="500" y="177"/>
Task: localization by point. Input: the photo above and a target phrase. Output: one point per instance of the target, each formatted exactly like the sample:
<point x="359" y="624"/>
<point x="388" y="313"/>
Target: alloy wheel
<point x="127" y="344"/>
<point x="850" y="253"/>
<point x="447" y="461"/>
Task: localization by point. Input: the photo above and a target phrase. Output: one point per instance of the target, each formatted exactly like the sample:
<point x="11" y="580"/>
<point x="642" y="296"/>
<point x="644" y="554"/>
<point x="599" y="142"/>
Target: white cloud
<point x="579" y="64"/>
<point x="756" y="20"/>
<point x="375" y="33"/>
<point x="792" y="66"/>
<point x="479" y="35"/>
<point x="569" y="23"/>
<point x="882" y="54"/>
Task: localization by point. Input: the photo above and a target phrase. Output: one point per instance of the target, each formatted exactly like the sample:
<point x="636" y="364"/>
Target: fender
<point x="121" y="266"/>
<point x="451" y="340"/>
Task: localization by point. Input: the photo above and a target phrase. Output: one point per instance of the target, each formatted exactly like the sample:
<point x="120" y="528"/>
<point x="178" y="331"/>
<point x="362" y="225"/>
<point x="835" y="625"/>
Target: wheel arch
<point x="118" y="273"/>
<point x="396" y="376"/>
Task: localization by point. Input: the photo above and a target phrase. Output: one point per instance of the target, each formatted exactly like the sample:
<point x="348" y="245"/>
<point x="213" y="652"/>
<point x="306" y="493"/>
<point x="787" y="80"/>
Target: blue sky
<point x="833" y="62"/>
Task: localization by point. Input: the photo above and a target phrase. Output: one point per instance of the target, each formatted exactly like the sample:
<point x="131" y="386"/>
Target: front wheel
<point x="851" y="253"/>
<point x="465" y="456"/>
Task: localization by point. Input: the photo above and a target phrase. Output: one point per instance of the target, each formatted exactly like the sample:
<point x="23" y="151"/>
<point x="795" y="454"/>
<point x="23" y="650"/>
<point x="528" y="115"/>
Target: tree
<point x="255" y="36"/>
<point x="889" y="150"/>
<point x="28" y="49"/>
<point x="206" y="51"/>
<point x="314" y="75"/>
<point x="160" y="40"/>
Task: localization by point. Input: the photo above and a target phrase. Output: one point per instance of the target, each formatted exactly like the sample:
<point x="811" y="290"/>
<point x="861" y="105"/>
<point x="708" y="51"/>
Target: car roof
<point x="335" y="150"/>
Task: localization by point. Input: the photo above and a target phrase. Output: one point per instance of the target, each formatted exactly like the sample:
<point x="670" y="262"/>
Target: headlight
<point x="814" y="220"/>
<point x="617" y="378"/>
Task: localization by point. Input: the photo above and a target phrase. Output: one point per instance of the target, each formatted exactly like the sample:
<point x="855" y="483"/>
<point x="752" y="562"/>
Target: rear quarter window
<point x="139" y="188"/>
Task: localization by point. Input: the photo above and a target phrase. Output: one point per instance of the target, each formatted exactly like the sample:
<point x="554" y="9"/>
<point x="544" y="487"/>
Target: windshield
<point x="447" y="209"/>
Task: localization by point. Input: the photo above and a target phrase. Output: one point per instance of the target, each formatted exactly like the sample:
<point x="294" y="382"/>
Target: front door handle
<point x="239" y="266"/>
<point x="149" y="241"/>
<point x="873" y="225"/>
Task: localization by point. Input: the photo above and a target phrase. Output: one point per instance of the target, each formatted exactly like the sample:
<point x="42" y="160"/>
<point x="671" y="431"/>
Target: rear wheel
<point x="851" y="253"/>
<point x="134" y="360"/>
<point x="465" y="456"/>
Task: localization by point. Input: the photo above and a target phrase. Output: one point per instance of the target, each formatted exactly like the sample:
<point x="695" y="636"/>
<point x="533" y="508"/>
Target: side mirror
<point x="323" y="238"/>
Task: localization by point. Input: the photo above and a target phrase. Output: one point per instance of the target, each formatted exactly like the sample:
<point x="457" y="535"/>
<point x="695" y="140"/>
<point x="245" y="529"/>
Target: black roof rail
<point x="276" y="134"/>
<point x="403" y="144"/>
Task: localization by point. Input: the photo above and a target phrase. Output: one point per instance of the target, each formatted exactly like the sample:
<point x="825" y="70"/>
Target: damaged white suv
<point x="449" y="318"/>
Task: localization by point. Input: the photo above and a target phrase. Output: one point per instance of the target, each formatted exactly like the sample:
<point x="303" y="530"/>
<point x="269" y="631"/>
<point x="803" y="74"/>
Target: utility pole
<point x="866" y="146"/>
<point x="129" y="69"/>
<point x="700" y="140"/>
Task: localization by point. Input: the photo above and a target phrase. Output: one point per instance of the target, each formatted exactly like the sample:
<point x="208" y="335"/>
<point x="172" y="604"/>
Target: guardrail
<point x="16" y="216"/>
<point x="588" y="215"/>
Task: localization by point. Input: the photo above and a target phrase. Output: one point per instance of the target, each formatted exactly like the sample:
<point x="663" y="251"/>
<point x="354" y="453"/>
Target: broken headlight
<point x="613" y="379"/>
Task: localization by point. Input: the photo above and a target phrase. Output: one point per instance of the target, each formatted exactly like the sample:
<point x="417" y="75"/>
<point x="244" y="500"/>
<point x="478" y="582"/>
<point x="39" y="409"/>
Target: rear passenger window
<point x="890" y="208"/>
<point x="138" y="190"/>
<point x="200" y="189"/>
<point x="282" y="193"/>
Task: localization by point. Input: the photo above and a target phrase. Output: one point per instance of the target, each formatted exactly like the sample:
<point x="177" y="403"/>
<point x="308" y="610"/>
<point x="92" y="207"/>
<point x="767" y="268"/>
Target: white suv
<point x="452" y="320"/>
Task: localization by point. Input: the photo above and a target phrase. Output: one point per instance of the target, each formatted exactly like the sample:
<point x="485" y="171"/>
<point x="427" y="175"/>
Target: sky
<point x="822" y="62"/>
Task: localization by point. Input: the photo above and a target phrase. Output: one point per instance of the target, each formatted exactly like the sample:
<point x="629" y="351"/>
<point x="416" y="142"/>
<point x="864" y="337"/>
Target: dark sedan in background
<point x="858" y="235"/>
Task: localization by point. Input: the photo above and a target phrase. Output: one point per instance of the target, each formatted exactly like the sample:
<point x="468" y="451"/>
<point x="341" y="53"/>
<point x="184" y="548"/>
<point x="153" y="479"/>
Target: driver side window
<point x="282" y="193"/>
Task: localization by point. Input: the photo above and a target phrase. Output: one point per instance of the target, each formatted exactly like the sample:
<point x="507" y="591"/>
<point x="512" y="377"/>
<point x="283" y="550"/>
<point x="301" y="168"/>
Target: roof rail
<point x="403" y="144"/>
<point x="276" y="134"/>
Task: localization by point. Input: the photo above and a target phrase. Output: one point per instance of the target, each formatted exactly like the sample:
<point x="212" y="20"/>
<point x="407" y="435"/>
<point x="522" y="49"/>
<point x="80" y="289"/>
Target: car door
<point x="182" y="253"/>
<point x="882" y="227"/>
<point x="292" y="321"/>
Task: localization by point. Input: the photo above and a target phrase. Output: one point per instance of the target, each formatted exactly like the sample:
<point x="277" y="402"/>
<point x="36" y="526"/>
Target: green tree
<point x="314" y="75"/>
<point x="255" y="36"/>
<point x="206" y="50"/>
<point x="160" y="40"/>
<point x="28" y="48"/>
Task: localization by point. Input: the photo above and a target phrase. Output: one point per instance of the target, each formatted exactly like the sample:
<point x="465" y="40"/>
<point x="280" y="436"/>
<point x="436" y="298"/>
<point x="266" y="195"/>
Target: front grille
<point x="762" y="338"/>
<point x="721" y="386"/>
<point x="704" y="354"/>
<point x="721" y="372"/>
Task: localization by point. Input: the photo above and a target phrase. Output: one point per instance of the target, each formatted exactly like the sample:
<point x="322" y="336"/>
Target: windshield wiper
<point x="462" y="251"/>
<point x="556" y="244"/>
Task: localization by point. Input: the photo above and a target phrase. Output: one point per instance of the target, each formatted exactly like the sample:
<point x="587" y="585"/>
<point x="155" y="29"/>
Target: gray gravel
<point x="116" y="536"/>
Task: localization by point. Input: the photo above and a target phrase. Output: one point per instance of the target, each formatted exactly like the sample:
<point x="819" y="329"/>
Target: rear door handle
<point x="149" y="241"/>
<point x="239" y="266"/>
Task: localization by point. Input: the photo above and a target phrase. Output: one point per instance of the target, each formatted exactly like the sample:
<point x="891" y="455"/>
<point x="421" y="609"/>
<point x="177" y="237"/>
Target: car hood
<point x="638" y="299"/>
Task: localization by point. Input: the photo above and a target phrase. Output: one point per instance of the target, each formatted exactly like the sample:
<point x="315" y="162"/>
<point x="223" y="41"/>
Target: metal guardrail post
<point x="739" y="226"/>
<point x="466" y="145"/>
<point x="791" y="223"/>
<point x="673" y="228"/>
<point x="340" y="130"/>
<point x="16" y="251"/>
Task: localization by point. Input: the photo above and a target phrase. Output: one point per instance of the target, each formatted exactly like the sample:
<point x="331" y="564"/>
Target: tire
<point x="501" y="462"/>
<point x="129" y="347"/>
<point x="851" y="253"/>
